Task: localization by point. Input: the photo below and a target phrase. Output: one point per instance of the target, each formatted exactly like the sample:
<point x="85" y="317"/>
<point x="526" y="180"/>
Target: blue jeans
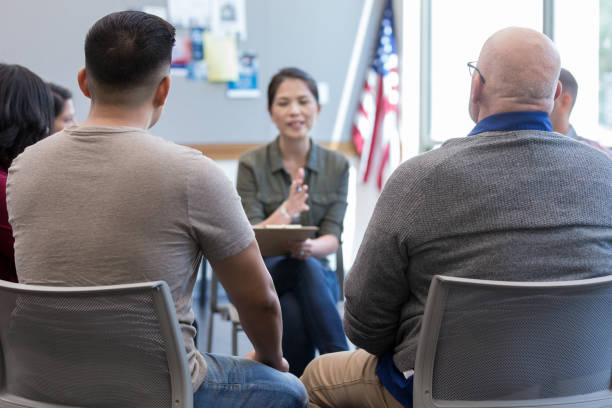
<point x="237" y="382"/>
<point x="308" y="293"/>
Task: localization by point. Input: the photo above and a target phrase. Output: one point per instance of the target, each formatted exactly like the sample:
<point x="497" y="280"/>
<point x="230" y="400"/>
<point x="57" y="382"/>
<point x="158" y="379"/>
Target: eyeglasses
<point x="472" y="67"/>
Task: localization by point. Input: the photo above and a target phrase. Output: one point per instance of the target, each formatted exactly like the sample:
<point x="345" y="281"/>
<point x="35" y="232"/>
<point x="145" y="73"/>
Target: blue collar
<point x="524" y="120"/>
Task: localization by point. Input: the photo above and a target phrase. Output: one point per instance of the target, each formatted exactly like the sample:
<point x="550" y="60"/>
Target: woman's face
<point x="66" y="116"/>
<point x="294" y="109"/>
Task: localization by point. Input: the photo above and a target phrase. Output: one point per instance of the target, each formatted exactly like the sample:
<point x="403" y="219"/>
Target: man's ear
<point x="476" y="89"/>
<point x="566" y="100"/>
<point x="558" y="90"/>
<point x="161" y="93"/>
<point x="82" y="79"/>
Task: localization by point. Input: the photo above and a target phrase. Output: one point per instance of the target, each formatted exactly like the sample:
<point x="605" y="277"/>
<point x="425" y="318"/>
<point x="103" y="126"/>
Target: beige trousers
<point x="346" y="379"/>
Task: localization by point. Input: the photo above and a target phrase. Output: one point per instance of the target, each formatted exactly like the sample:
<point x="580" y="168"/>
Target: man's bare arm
<point x="251" y="290"/>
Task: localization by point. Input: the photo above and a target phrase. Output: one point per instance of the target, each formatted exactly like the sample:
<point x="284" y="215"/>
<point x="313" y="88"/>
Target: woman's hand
<point x="298" y="194"/>
<point x="318" y="247"/>
<point x="301" y="249"/>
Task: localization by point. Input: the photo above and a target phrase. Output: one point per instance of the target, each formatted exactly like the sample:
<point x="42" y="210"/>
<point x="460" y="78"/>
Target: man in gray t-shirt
<point x="105" y="203"/>
<point x="513" y="201"/>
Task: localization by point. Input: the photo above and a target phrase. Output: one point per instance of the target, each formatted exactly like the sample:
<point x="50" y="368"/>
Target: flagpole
<point x="349" y="82"/>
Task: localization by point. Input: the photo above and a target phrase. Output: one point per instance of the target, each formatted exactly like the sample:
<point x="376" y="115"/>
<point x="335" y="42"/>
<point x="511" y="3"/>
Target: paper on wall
<point x="246" y="86"/>
<point x="228" y="17"/>
<point x="189" y="13"/>
<point x="221" y="55"/>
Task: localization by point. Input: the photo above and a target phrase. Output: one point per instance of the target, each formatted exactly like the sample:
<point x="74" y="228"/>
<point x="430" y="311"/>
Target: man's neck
<point x="116" y="116"/>
<point x="564" y="128"/>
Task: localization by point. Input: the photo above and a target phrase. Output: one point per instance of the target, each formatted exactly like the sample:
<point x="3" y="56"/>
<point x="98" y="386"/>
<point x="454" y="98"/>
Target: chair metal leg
<point x="234" y="339"/>
<point x="203" y="287"/>
<point x="210" y="331"/>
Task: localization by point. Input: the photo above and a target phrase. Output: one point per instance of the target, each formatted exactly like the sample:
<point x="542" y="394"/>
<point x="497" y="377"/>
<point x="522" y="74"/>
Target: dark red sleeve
<point x="7" y="255"/>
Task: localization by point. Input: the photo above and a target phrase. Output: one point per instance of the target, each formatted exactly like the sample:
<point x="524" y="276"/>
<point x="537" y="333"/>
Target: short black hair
<point x="26" y="111"/>
<point x="293" y="73"/>
<point x="568" y="84"/>
<point x="126" y="49"/>
<point x="60" y="96"/>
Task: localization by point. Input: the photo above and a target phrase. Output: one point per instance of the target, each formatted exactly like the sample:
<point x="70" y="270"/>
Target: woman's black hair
<point x="60" y="96"/>
<point x="26" y="111"/>
<point x="293" y="73"/>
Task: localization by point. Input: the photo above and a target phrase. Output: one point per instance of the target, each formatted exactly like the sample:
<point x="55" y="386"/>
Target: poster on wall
<point x="181" y="55"/>
<point x="197" y="68"/>
<point x="246" y="85"/>
<point x="228" y="17"/>
<point x="158" y="11"/>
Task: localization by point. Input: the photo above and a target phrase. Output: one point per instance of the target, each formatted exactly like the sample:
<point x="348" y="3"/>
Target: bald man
<point x="512" y="201"/>
<point x="562" y="110"/>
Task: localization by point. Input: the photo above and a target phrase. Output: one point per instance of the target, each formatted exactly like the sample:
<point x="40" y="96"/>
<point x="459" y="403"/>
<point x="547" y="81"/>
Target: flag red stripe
<point x="357" y="139"/>
<point x="377" y="122"/>
<point x="362" y="110"/>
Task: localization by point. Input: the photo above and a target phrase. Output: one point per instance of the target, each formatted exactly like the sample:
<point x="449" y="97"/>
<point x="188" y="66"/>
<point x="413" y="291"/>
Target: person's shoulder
<point x="172" y="158"/>
<point x="168" y="149"/>
<point x="332" y="158"/>
<point x="43" y="147"/>
<point x="437" y="156"/>
<point x="423" y="171"/>
<point x="594" y="144"/>
<point x="591" y="151"/>
<point x="255" y="156"/>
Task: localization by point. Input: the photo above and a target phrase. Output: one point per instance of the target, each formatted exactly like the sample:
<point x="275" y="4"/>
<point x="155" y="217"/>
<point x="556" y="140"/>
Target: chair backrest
<point x="108" y="346"/>
<point x="510" y="344"/>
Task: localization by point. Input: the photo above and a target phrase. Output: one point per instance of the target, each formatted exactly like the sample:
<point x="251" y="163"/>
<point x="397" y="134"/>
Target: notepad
<point x="272" y="239"/>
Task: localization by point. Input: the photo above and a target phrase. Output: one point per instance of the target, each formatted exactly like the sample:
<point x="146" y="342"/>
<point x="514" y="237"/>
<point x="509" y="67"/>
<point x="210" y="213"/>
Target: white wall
<point x="48" y="37"/>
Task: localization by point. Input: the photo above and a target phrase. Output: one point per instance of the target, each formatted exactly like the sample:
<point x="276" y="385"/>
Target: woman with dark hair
<point x="63" y="106"/>
<point x="26" y="116"/>
<point x="294" y="180"/>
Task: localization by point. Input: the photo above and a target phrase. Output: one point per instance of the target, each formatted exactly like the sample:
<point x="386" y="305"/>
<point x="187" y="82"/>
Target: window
<point x="452" y="33"/>
<point x="585" y="44"/>
<point x="458" y="31"/>
<point x="605" y="71"/>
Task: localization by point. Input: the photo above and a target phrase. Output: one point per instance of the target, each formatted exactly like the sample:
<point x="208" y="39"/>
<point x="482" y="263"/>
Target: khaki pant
<point x="346" y="379"/>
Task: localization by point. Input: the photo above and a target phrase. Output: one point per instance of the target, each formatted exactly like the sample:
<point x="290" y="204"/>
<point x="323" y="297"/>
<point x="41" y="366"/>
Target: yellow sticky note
<point x="221" y="55"/>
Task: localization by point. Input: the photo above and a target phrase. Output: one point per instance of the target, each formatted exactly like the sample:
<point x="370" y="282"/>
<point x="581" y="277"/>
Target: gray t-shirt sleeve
<point x="215" y="213"/>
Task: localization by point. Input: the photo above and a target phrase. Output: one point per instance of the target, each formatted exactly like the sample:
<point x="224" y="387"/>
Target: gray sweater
<point x="521" y="205"/>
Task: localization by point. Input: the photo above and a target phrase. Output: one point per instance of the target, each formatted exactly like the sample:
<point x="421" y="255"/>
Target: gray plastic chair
<point x="510" y="344"/>
<point x="228" y="312"/>
<point x="108" y="346"/>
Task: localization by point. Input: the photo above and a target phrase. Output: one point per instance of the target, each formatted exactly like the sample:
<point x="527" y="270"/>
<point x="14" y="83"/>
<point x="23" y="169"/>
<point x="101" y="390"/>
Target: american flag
<point x="375" y="131"/>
